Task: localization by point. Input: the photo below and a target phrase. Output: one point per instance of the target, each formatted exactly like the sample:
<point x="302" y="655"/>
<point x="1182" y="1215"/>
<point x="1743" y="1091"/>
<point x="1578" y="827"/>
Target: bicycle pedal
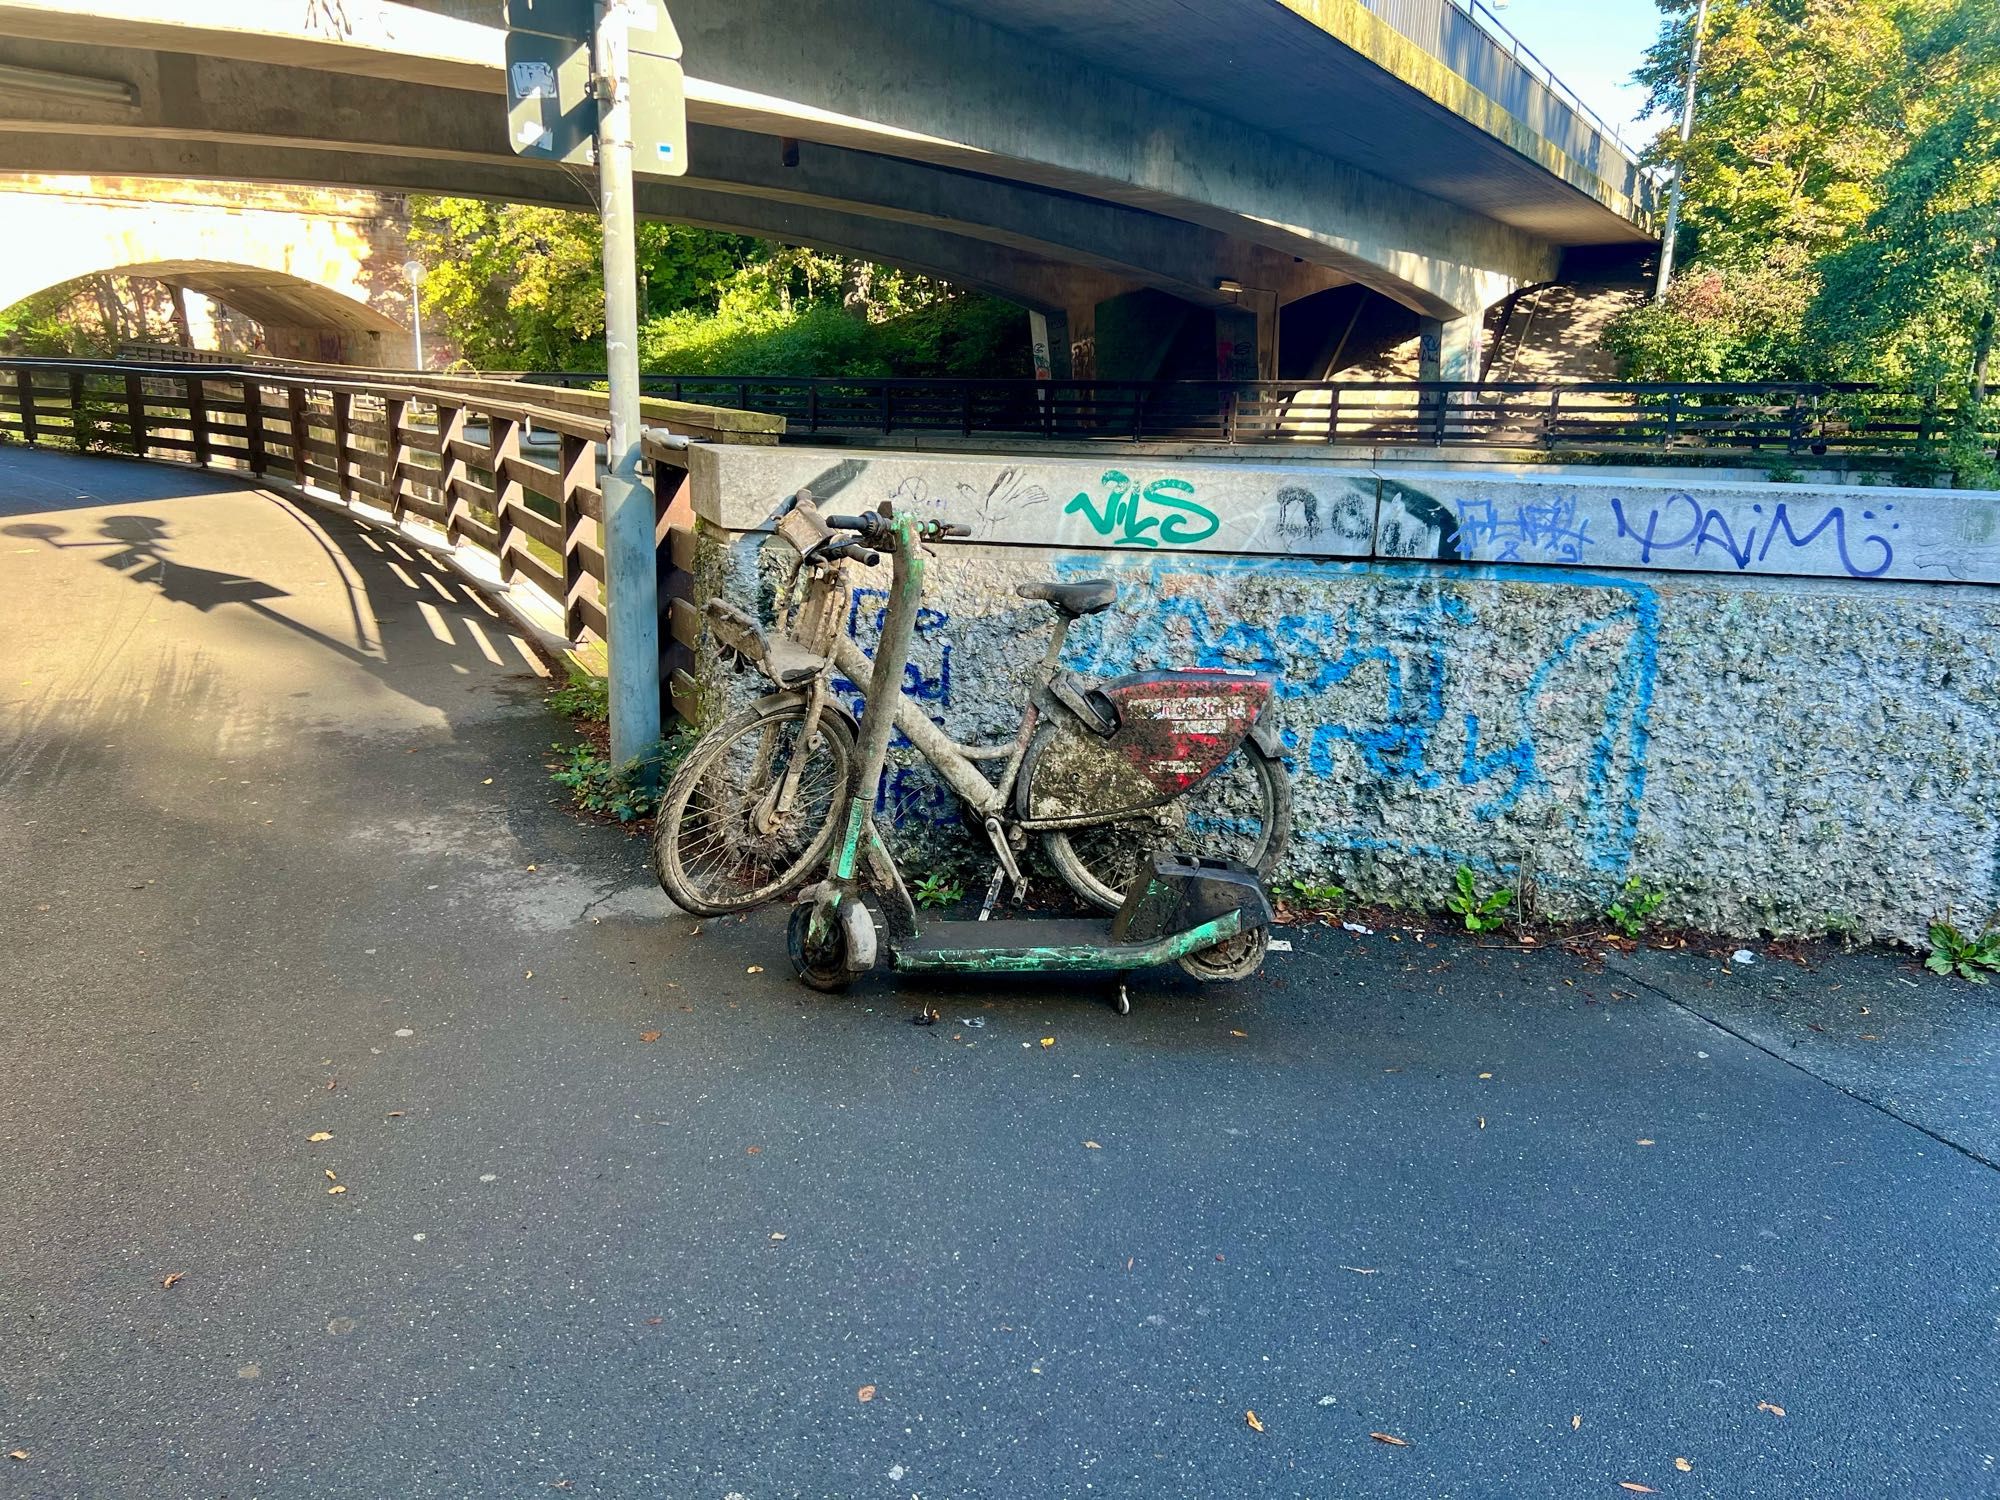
<point x="992" y="892"/>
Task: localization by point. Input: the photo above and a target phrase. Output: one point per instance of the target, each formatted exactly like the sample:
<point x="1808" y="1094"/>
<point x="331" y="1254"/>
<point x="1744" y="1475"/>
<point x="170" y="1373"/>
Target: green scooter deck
<point x="1067" y="945"/>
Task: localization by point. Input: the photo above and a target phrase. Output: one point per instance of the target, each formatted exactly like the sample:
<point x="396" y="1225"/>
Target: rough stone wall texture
<point x="1784" y="755"/>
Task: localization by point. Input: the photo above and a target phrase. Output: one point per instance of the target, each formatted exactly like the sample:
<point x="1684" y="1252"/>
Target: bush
<point x="1720" y="324"/>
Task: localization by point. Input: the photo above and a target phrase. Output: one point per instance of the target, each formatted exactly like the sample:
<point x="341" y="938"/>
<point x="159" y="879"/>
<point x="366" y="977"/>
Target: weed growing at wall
<point x="938" y="890"/>
<point x="585" y="696"/>
<point x="1482" y="913"/>
<point x="1969" y="957"/>
<point x="1633" y="907"/>
<point x="1306" y="897"/>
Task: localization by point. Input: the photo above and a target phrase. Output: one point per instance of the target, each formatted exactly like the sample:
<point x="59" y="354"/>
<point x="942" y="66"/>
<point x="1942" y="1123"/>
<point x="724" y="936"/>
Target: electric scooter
<point x="1212" y="916"/>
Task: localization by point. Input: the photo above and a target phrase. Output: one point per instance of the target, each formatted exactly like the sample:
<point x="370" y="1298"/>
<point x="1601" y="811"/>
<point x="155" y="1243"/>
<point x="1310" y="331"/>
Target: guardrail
<point x="504" y="491"/>
<point x="1606" y="418"/>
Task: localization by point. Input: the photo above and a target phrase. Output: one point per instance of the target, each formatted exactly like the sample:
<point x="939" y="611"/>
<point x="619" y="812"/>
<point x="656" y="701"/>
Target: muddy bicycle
<point x="1102" y="772"/>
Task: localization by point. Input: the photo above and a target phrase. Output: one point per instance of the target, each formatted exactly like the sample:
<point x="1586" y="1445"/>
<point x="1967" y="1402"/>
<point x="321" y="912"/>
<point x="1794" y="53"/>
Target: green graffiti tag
<point x="1163" y="511"/>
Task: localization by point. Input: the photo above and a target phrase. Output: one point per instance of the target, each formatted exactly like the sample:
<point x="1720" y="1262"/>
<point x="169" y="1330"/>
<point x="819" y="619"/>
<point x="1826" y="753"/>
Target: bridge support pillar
<point x="1246" y="337"/>
<point x="1049" y="339"/>
<point x="1451" y="349"/>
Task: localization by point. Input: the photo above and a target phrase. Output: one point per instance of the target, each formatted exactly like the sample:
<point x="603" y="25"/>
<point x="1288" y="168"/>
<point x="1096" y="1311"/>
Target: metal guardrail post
<point x="79" y="430"/>
<point x="1333" y="415"/>
<point x="888" y="417"/>
<point x="295" y="401"/>
<point x="812" y="407"/>
<point x="1553" y="433"/>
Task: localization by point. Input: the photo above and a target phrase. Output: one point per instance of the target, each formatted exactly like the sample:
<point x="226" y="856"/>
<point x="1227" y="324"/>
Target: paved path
<point x="281" y="859"/>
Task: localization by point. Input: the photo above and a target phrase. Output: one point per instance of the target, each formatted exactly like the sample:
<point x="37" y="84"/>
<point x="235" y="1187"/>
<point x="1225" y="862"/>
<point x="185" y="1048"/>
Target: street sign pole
<point x="630" y="566"/>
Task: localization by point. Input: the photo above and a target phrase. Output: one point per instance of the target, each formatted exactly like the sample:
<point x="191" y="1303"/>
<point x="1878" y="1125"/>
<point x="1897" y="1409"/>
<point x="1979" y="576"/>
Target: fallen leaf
<point x="777" y="1236"/>
<point x="754" y="969"/>
<point x="1239" y="1033"/>
<point x="1684" y="1466"/>
<point x="1092" y="1146"/>
<point x="1868" y="1036"/>
<point x="1361" y="1270"/>
<point x="753" y="1150"/>
<point x="329" y="1175"/>
<point x="170" y="1278"/>
<point x="654" y="1322"/>
<point x="1645" y="1140"/>
<point x="18" y="1454"/>
<point x="649" y="1036"/>
<point x="1776" y="1411"/>
<point x="1251" y="1418"/>
<point x="1637" y="1489"/>
<point x="1482" y="1122"/>
<point x="1576" y="1422"/>
<point x="395" y="1114"/>
<point x="1485" y="1075"/>
<point x="529" y="975"/>
<point x="320" y="1135"/>
<point x="487" y="782"/>
<point x="335" y="1189"/>
<point x="1128" y="1262"/>
<point x="1048" y="1041"/>
<point x="866" y="1393"/>
<point x="1390" y="1438"/>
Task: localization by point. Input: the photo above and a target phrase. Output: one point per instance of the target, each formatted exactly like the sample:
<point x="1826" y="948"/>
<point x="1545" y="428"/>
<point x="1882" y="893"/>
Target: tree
<point x="1722" y="322"/>
<point x="1799" y="110"/>
<point x="1915" y="295"/>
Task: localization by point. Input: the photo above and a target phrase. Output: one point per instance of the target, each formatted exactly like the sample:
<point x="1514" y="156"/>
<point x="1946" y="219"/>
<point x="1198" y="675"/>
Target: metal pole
<point x="630" y="566"/>
<point x="1680" y="167"/>
<point x="417" y="324"/>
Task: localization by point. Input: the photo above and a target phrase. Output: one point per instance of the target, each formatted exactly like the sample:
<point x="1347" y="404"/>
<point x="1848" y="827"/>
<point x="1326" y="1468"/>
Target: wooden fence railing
<point x="507" y="491"/>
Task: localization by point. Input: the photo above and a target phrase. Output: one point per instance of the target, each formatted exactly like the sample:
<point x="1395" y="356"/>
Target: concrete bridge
<point x="1230" y="194"/>
<point x="319" y="271"/>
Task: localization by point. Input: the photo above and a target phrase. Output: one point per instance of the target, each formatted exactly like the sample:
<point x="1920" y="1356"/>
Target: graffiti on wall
<point x="1741" y="531"/>
<point x="1411" y="728"/>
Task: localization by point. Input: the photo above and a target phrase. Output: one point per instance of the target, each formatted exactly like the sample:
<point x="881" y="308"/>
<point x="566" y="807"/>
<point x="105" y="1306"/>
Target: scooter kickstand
<point x="992" y="893"/>
<point x="1121" y="1002"/>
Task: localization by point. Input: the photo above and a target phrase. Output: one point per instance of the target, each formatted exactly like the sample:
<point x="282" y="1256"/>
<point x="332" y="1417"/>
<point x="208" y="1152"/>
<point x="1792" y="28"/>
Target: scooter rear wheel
<point x="1236" y="958"/>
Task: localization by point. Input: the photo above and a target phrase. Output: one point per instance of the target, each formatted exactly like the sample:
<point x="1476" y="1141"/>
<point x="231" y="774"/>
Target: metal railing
<point x="1693" y="421"/>
<point x="450" y="472"/>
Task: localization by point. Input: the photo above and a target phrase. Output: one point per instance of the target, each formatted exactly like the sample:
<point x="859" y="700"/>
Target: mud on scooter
<point x="1131" y="740"/>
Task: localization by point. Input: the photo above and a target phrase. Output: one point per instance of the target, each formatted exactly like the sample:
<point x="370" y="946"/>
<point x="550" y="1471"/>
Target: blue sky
<point x="1591" y="45"/>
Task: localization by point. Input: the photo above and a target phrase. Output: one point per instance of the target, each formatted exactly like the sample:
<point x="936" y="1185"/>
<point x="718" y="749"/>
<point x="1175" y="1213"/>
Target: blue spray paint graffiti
<point x="1395" y="654"/>
<point x="909" y="793"/>
<point x="1552" y="532"/>
<point x="1694" y="526"/>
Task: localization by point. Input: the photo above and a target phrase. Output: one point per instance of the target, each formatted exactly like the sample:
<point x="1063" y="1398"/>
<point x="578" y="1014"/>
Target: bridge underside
<point x="1041" y="176"/>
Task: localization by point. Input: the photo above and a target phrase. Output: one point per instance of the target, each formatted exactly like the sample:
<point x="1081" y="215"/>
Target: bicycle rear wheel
<point x="720" y="844"/>
<point x="1242" y="812"/>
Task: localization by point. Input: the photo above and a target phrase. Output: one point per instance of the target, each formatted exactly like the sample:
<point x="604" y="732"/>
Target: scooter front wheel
<point x="820" y="965"/>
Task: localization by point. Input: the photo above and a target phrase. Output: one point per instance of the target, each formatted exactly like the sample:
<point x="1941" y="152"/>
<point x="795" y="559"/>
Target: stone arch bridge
<point x="318" y="271"/>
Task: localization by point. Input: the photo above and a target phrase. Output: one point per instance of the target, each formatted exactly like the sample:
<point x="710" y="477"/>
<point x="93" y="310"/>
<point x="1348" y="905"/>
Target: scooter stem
<point x="892" y="654"/>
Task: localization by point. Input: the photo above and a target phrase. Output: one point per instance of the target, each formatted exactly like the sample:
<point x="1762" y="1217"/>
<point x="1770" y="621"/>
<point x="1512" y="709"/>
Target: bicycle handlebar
<point x="875" y="527"/>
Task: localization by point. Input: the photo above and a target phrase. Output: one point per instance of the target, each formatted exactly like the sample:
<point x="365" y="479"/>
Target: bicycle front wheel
<point x="722" y="844"/>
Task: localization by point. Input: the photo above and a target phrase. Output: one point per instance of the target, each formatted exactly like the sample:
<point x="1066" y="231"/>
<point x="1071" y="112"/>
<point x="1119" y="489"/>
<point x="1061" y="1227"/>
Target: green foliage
<point x="598" y="786"/>
<point x="1633" y="907"/>
<point x="584" y="696"/>
<point x="1309" y="897"/>
<point x="1481" y="913"/>
<point x="1954" y="952"/>
<point x="1913" y="297"/>
<point x="938" y="890"/>
<point x="1721" y="323"/>
<point x="626" y="792"/>
<point x="1800" y="107"/>
<point x="522" y="288"/>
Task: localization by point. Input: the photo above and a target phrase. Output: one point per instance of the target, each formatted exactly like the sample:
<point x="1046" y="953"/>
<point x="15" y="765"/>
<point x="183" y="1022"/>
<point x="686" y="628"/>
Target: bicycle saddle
<point x="1073" y="599"/>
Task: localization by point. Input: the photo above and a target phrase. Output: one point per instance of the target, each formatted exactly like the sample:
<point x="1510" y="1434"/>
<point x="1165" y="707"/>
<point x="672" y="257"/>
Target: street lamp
<point x="1680" y="167"/>
<point x="413" y="272"/>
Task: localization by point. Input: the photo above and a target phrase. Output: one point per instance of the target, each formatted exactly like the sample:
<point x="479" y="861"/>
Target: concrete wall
<point x="1783" y="753"/>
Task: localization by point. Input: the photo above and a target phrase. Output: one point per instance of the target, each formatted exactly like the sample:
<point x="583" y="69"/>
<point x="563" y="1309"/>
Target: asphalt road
<point x="281" y="859"/>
